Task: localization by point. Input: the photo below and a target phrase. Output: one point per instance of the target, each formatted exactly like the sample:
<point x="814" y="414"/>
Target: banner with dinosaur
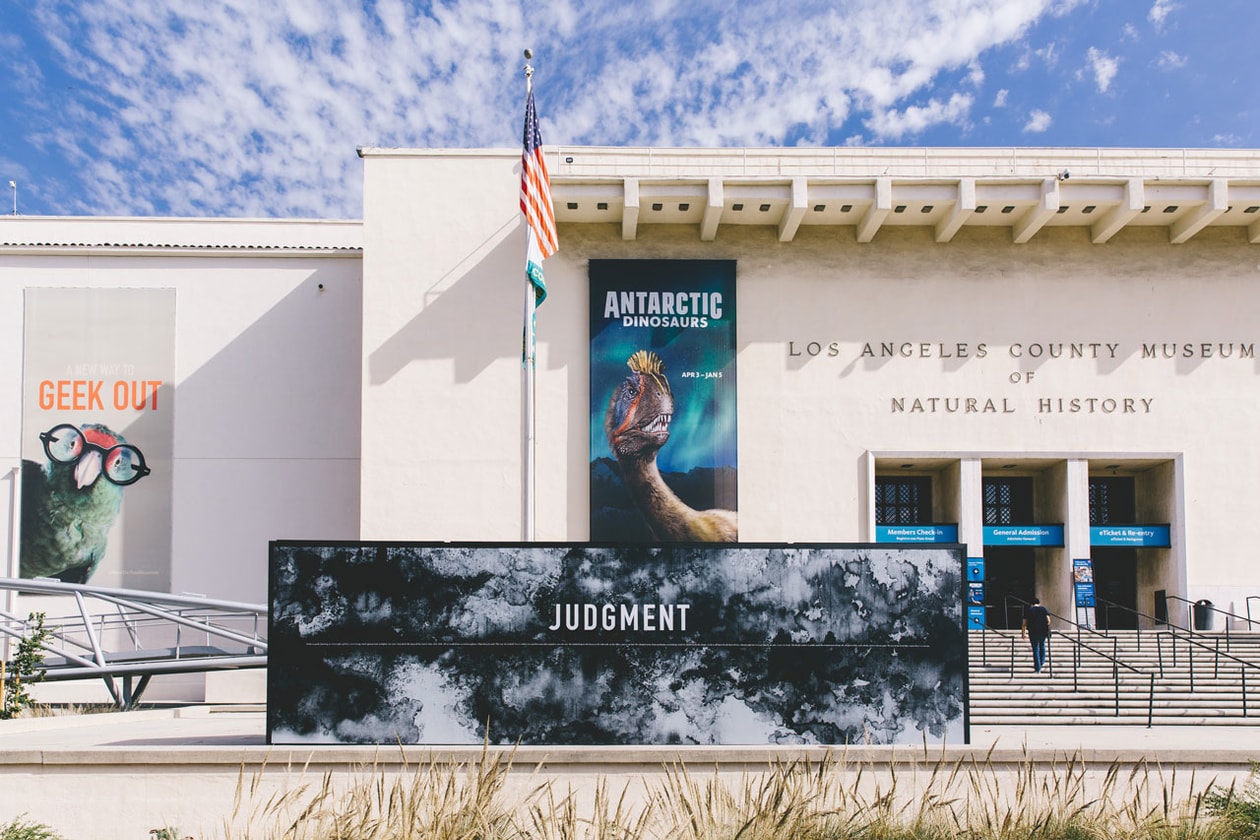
<point x="574" y="644"/>
<point x="97" y="434"/>
<point x="664" y="450"/>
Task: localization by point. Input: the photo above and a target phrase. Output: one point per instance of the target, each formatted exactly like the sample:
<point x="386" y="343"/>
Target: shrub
<point x="24" y="669"/>
<point x="20" y="829"/>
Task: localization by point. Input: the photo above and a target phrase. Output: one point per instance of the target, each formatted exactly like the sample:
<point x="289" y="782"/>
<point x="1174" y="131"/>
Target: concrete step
<point x="1082" y="689"/>
<point x="1136" y="720"/>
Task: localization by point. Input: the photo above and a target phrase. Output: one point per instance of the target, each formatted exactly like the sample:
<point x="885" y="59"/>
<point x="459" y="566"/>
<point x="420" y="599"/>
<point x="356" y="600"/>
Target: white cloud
<point x="1038" y="121"/>
<point x="894" y="124"/>
<point x="240" y="108"/>
<point x="1103" y="66"/>
<point x="1169" y="60"/>
<point x="999" y="101"/>
<point x="1159" y="12"/>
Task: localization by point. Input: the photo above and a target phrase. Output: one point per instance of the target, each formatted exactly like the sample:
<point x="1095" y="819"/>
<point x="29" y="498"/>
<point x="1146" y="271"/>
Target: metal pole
<point x="527" y="376"/>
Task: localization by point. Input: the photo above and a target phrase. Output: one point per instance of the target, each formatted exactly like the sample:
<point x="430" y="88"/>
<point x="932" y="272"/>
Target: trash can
<point x="1203" y="614"/>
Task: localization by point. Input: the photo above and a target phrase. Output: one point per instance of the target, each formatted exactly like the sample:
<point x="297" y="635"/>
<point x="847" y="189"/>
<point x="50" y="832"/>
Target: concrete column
<point x="1075" y="531"/>
<point x="971" y="507"/>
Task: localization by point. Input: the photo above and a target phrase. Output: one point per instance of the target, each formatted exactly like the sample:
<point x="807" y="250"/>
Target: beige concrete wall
<point x="266" y="437"/>
<point x="266" y="396"/>
<point x="442" y="311"/>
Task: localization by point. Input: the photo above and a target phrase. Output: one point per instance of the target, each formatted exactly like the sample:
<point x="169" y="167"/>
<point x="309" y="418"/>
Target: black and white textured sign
<point x="578" y="644"/>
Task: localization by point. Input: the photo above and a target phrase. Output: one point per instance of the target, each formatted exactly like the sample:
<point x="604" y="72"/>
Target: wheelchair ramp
<point x="126" y="637"/>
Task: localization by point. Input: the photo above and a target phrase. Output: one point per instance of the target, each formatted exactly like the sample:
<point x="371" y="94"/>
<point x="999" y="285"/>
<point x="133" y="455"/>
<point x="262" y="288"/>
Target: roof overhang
<point x="1024" y="190"/>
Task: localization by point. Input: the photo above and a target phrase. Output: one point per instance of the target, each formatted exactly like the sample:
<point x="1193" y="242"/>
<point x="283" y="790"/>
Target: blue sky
<point x="249" y="109"/>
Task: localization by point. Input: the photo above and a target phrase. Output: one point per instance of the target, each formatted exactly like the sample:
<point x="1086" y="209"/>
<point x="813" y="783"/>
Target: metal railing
<point x="1191" y="643"/>
<point x="1191" y="605"/>
<point x="119" y="635"/>
<point x="1078" y="647"/>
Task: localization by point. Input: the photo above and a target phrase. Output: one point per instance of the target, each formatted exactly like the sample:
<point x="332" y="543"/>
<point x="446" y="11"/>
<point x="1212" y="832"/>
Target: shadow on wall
<point x="267" y="430"/>
<point x="484" y="295"/>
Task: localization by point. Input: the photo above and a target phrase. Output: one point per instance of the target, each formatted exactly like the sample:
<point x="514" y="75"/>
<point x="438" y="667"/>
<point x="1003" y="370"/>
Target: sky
<point x="242" y="108"/>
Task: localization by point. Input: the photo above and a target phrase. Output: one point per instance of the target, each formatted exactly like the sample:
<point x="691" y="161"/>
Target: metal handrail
<point x="1107" y="607"/>
<point x="1113" y="658"/>
<point x="1063" y="618"/>
<point x="1243" y="664"/>
<point x="1228" y="615"/>
<point x="79" y="641"/>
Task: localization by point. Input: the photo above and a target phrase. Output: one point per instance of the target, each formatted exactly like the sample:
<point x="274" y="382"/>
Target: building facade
<point x="1046" y="355"/>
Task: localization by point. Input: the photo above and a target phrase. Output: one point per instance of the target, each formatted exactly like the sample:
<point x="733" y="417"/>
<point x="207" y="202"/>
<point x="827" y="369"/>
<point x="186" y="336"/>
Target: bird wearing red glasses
<point x="68" y="506"/>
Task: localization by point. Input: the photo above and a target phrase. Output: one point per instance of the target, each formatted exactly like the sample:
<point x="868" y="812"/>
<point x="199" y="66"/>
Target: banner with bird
<point x="664" y="452"/>
<point x="97" y="434"/>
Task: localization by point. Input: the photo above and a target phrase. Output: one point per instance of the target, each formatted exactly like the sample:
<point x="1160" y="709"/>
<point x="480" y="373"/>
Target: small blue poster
<point x="1083" y="581"/>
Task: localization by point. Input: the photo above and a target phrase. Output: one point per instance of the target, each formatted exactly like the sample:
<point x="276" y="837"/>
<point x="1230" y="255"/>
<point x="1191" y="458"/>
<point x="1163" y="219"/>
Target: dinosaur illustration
<point x="637" y="425"/>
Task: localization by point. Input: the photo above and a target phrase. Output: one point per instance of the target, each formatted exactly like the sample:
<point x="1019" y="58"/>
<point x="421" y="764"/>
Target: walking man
<point x="1036" y="629"/>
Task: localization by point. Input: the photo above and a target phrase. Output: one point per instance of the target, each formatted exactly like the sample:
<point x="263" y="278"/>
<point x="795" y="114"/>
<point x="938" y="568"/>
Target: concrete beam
<point x="795" y="210"/>
<point x="712" y="211"/>
<point x="1216" y="205"/>
<point x="1111" y="224"/>
<point x="964" y="206"/>
<point x="877" y="212"/>
<point x="1040" y="213"/>
<point x="630" y="209"/>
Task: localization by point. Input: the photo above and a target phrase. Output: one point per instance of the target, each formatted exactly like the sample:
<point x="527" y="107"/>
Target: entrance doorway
<point x="1009" y="573"/>
<point x="1112" y="501"/>
<point x="1115" y="582"/>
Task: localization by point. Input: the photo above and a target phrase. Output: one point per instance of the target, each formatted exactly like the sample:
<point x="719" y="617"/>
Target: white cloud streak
<point x="1038" y="121"/>
<point x="241" y="108"/>
<point x="1103" y="66"/>
<point x="1159" y="12"/>
<point x="1170" y="60"/>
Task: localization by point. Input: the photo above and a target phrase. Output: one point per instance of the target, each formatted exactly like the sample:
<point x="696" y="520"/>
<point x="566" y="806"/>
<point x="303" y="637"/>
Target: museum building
<point x="1047" y="356"/>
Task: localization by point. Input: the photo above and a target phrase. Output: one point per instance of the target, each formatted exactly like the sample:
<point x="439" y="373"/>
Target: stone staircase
<point x="1195" y="688"/>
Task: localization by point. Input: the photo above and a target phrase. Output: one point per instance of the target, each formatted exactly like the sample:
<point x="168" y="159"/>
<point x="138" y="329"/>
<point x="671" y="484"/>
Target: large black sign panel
<point x="579" y="644"/>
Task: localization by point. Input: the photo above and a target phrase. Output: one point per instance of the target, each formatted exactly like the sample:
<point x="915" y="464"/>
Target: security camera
<point x="1064" y="175"/>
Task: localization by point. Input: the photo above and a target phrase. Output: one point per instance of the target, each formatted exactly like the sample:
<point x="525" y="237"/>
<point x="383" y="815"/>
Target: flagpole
<point x="527" y="374"/>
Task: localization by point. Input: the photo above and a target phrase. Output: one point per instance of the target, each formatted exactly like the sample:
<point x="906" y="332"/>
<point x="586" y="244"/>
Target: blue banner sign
<point x="975" y="618"/>
<point x="916" y="533"/>
<point x="1151" y="536"/>
<point x="975" y="568"/>
<point x="1050" y="535"/>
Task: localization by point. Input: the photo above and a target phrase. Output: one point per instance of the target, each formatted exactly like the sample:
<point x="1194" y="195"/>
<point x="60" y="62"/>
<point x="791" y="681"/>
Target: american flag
<point x="540" y="218"/>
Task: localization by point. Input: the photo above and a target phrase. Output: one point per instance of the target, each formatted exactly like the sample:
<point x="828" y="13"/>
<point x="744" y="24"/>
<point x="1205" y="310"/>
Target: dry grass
<point x="802" y="800"/>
